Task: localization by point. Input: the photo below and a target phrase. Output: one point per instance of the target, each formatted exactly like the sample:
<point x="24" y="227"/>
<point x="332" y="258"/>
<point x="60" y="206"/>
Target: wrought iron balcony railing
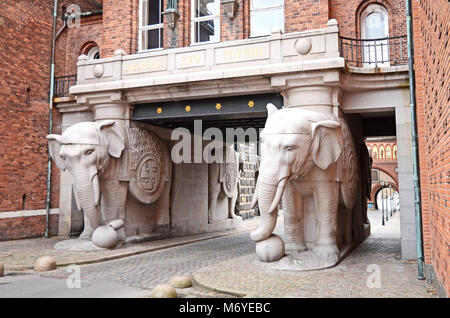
<point x="62" y="84"/>
<point x="382" y="52"/>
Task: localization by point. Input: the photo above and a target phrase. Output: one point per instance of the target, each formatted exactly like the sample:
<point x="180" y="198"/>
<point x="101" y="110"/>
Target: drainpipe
<point x="412" y="98"/>
<point x="50" y="120"/>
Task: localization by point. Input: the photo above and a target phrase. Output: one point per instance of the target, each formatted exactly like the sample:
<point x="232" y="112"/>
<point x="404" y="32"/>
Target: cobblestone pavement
<point x="227" y="266"/>
<point x="21" y="254"/>
<point x="147" y="270"/>
<point x="355" y="276"/>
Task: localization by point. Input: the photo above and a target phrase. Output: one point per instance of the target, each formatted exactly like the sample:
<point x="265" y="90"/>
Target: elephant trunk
<point x="88" y="192"/>
<point x="269" y="196"/>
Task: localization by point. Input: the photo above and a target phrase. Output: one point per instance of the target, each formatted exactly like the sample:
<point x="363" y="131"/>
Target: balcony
<point x="62" y="85"/>
<point x="374" y="53"/>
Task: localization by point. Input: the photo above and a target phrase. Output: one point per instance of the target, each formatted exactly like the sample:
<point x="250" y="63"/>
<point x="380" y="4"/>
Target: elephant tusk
<point x="96" y="188"/>
<point x="278" y="194"/>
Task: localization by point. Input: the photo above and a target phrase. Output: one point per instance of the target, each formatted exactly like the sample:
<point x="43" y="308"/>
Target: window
<point x="375" y="25"/>
<point x="375" y="152"/>
<point x="205" y="21"/>
<point x="265" y="15"/>
<point x="94" y="53"/>
<point x="150" y="24"/>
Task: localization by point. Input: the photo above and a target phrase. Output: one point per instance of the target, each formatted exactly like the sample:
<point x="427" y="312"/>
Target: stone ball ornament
<point x="106" y="236"/>
<point x="271" y="249"/>
<point x="181" y="282"/>
<point x="44" y="264"/>
<point x="98" y="70"/>
<point x="303" y="46"/>
<point x="164" y="291"/>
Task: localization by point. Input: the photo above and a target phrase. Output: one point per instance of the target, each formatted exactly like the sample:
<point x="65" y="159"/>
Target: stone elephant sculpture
<point x="107" y="161"/>
<point x="306" y="154"/>
<point x="223" y="180"/>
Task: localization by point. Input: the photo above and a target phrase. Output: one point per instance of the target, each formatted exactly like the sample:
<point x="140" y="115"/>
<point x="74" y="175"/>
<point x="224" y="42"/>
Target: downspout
<point x="50" y="121"/>
<point x="412" y="98"/>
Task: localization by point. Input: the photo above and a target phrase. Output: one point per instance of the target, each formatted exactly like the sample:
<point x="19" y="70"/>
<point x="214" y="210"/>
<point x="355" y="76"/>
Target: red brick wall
<point x="120" y="23"/>
<point x="119" y="29"/>
<point x="301" y="15"/>
<point x="73" y="42"/>
<point x="432" y="65"/>
<point x="26" y="227"/>
<point x="25" y="80"/>
<point x="348" y="12"/>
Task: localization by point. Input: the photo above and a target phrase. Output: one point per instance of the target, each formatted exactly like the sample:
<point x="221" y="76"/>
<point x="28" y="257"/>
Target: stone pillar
<point x="70" y="219"/>
<point x="405" y="182"/>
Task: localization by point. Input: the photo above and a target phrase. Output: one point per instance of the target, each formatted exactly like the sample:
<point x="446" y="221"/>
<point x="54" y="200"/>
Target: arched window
<point x="382" y="152"/>
<point x="394" y="152"/>
<point x="388" y="152"/>
<point x="375" y="152"/>
<point x="93" y="53"/>
<point x="375" y="25"/>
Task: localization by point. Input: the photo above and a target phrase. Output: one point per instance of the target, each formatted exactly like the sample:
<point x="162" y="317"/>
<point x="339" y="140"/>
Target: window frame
<point x="143" y="28"/>
<point x="93" y="51"/>
<point x="195" y="20"/>
<point x="263" y="9"/>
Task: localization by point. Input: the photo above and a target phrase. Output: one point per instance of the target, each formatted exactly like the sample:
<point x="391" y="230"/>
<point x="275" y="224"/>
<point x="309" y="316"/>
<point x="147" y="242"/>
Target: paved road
<point x="132" y="276"/>
<point x="135" y="276"/>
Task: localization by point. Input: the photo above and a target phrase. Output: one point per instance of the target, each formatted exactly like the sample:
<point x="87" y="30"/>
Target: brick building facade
<point x="432" y="62"/>
<point x="113" y="24"/>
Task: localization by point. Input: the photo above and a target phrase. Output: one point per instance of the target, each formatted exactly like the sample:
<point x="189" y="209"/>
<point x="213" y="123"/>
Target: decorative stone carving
<point x="303" y="46"/>
<point x="108" y="160"/>
<point x="98" y="70"/>
<point x="146" y="163"/>
<point x="105" y="236"/>
<point x="223" y="177"/>
<point x="271" y="249"/>
<point x="306" y="154"/>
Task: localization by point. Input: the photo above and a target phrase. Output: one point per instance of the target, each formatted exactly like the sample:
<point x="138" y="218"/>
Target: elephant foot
<point x="296" y="247"/>
<point x="326" y="251"/>
<point x="86" y="235"/>
<point x="121" y="234"/>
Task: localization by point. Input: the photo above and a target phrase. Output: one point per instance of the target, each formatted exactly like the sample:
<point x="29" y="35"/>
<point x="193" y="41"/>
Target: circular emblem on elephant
<point x="230" y="178"/>
<point x="149" y="174"/>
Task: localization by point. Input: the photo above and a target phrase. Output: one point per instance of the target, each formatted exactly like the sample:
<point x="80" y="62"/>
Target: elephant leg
<point x="293" y="220"/>
<point x="113" y="201"/>
<point x="88" y="229"/>
<point x="213" y="195"/>
<point x="326" y="199"/>
<point x="232" y="204"/>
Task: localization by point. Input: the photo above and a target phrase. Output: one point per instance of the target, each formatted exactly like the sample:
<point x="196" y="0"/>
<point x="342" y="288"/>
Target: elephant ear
<point x="271" y="108"/>
<point x="327" y="142"/>
<point x="54" y="146"/>
<point x="116" y="141"/>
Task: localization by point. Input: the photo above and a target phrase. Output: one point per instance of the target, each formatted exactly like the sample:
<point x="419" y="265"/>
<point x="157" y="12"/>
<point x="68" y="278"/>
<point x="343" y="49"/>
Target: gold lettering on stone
<point x="242" y="53"/>
<point x="190" y="59"/>
<point x="149" y="65"/>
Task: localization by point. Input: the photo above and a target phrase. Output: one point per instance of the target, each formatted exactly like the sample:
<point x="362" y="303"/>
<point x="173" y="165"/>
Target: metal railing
<point x="62" y="84"/>
<point x="382" y="52"/>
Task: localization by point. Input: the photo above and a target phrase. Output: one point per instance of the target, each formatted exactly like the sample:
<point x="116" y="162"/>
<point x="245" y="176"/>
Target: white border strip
<point x="26" y="213"/>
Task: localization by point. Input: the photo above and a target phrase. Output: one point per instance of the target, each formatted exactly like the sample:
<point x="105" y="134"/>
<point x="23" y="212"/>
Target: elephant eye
<point x="88" y="152"/>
